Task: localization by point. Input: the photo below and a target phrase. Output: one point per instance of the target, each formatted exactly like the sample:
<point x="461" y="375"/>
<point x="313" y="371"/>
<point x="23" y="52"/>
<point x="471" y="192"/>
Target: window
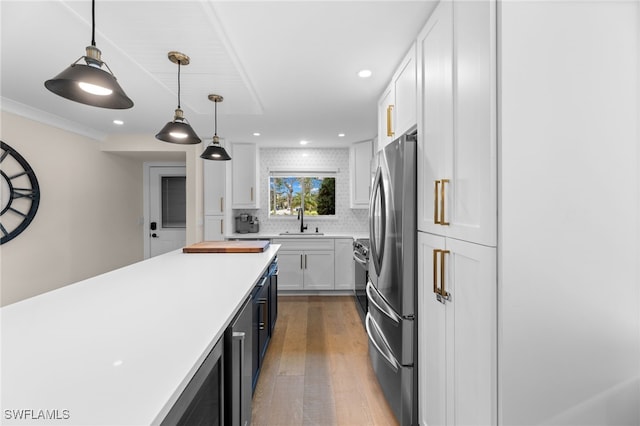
<point x="288" y="191"/>
<point x="174" y="202"/>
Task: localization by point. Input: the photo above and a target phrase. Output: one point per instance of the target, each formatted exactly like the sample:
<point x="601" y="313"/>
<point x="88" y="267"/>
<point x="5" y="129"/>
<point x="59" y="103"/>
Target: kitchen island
<point x="119" y="348"/>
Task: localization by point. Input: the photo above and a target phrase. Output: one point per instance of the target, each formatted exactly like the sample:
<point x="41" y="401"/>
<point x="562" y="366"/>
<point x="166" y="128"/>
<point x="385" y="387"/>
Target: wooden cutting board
<point x="227" y="247"/>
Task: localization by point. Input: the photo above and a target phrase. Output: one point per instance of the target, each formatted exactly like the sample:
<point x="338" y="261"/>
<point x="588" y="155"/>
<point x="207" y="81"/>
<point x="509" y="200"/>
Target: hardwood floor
<point x="317" y="370"/>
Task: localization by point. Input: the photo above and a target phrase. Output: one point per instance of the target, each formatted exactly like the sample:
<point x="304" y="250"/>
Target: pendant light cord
<point x="215" y="120"/>
<point x="178" y="84"/>
<point x="93" y="23"/>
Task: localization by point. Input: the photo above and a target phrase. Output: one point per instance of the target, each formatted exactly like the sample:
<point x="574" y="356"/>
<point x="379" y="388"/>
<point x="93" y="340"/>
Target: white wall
<point x="570" y="218"/>
<point x="347" y="220"/>
<point x="150" y="149"/>
<point x="88" y="219"/>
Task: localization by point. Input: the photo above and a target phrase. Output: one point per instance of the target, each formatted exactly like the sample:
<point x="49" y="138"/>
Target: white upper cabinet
<point x="360" y="172"/>
<point x="244" y="180"/>
<point x="385" y="118"/>
<point x="397" y="105"/>
<point x="404" y="87"/>
<point x="214" y="187"/>
<point x="457" y="186"/>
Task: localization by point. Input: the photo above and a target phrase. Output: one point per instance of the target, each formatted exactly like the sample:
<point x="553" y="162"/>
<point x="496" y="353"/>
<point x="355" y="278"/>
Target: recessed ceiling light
<point x="364" y="73"/>
<point x="341" y="135"/>
<point x="256" y="134"/>
<point x="304" y="142"/>
<point x="118" y="122"/>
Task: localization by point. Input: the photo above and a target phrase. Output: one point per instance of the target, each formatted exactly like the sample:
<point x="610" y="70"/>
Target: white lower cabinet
<point x="214" y="228"/>
<point x="306" y="264"/>
<point x="344" y="266"/>
<point x="457" y="332"/>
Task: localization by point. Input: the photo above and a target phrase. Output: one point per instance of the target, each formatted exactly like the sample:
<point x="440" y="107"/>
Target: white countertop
<point x="119" y="348"/>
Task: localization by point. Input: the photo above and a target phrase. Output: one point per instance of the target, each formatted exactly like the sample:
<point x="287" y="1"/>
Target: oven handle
<point x="385" y="354"/>
<point x="358" y="258"/>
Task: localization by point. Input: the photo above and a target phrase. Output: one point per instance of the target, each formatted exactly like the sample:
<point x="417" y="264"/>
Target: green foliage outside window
<point x="286" y="194"/>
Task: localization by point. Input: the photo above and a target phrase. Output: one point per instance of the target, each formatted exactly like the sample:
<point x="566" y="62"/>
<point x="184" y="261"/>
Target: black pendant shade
<point x="90" y="84"/>
<point x="179" y="130"/>
<point x="215" y="151"/>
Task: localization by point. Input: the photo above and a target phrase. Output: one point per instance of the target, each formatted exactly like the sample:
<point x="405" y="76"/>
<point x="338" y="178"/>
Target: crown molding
<point x="53" y="120"/>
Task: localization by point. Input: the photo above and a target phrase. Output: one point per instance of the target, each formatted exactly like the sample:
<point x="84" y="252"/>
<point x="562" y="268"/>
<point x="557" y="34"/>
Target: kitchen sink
<point x="302" y="233"/>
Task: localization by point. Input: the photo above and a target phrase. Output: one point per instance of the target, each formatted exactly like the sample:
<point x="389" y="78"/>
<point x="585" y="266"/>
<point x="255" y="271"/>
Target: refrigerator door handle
<point x="387" y="355"/>
<point x="377" y="252"/>
<point x="374" y="298"/>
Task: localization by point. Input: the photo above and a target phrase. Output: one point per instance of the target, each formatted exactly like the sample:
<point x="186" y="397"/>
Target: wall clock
<point x="19" y="193"/>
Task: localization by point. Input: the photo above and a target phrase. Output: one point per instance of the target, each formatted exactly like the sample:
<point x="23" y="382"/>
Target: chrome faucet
<point x="301" y="218"/>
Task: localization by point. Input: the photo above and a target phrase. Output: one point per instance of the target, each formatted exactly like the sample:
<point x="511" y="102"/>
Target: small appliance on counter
<point x="245" y="223"/>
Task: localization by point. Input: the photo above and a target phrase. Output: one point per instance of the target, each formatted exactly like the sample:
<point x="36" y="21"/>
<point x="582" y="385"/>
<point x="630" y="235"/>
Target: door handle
<point x="442" y="200"/>
<point x="439" y="204"/>
<point x="440" y="290"/>
<point x="240" y="336"/>
<point x="154" y="235"/>
<point x="390" y="131"/>
<point x="263" y="323"/>
<point x="436" y="217"/>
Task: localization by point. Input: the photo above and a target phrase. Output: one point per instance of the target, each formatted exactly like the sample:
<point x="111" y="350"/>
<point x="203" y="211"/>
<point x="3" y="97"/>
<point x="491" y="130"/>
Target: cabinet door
<point x="360" y="159"/>
<point x="386" y="105"/>
<point x="290" y="266"/>
<point x="214" y="228"/>
<point x="404" y="87"/>
<point x="432" y="381"/>
<point x="471" y="333"/>
<point x="471" y="203"/>
<point x="214" y="186"/>
<point x="344" y="266"/>
<point x="435" y="111"/>
<point x="319" y="270"/>
<point x="244" y="172"/>
<point x="458" y="331"/>
<point x="457" y="166"/>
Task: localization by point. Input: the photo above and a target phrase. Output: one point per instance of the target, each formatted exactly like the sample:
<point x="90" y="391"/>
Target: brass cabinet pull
<point x="221" y="226"/>
<point x="301" y="262"/>
<point x="440" y="290"/>
<point x="436" y="290"/>
<point x="442" y="199"/>
<point x="438" y="205"/>
<point x="443" y="292"/>
<point x="252" y="193"/>
<point x="389" y="123"/>
<point x="436" y="218"/>
<point x="305" y="261"/>
<point x="221" y="204"/>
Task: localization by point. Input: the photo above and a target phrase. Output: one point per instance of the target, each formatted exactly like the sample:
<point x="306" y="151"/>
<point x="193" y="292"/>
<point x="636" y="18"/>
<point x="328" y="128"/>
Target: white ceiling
<point x="285" y="69"/>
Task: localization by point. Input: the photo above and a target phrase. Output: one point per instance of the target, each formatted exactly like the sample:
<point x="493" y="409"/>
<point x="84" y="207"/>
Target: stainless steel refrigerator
<point x="391" y="291"/>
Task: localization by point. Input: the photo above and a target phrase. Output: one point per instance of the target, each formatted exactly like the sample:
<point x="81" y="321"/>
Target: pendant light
<point x="179" y="130"/>
<point x="215" y="151"/>
<point x="90" y="84"/>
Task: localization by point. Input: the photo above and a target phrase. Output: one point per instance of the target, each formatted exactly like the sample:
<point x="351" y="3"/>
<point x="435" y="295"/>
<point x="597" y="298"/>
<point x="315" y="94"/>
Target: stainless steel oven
<point x="361" y="261"/>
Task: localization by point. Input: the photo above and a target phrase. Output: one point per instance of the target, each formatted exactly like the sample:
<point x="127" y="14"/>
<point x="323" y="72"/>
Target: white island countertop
<point x="119" y="348"/>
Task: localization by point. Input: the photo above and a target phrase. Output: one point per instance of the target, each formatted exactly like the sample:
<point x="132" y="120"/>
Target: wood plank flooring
<point x="317" y="370"/>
